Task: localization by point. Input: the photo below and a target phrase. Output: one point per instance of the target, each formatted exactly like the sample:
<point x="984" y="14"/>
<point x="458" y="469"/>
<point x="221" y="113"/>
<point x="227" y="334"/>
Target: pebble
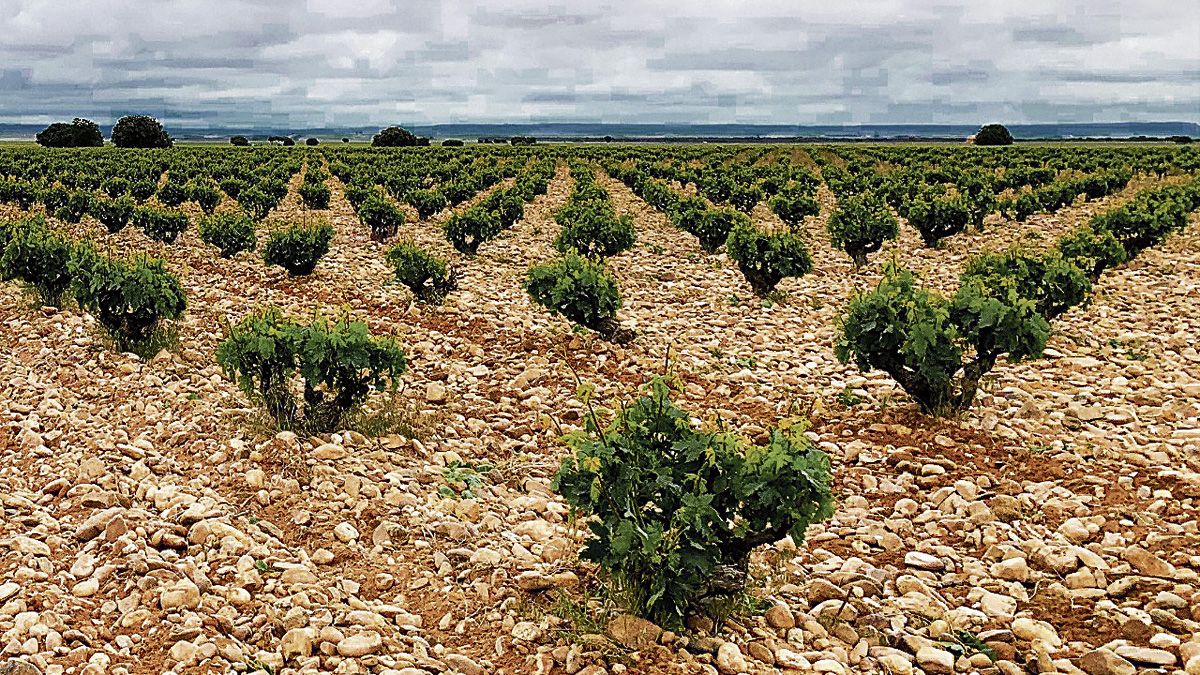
<point x="359" y="645"/>
<point x="730" y="659"/>
<point x="131" y="486"/>
<point x="923" y="561"/>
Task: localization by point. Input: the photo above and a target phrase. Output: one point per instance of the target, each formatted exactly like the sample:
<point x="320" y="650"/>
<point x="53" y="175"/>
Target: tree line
<point x="143" y="131"/>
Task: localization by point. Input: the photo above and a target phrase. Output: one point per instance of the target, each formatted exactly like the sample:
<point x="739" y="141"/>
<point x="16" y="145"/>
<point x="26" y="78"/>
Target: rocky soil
<point x="152" y="523"/>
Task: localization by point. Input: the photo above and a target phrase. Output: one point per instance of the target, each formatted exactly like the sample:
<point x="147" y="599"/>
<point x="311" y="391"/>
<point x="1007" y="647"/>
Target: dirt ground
<point x="1056" y="517"/>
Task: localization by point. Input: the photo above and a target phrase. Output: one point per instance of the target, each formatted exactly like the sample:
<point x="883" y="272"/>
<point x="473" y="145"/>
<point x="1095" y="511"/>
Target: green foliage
<point x="334" y="365"/>
<point x="937" y="215"/>
<point x="766" y="259"/>
<point x="20" y="192"/>
<point x="860" y="224"/>
<point x="580" y="290"/>
<point x="128" y="297"/>
<point x="163" y="225"/>
<point x="591" y="227"/>
<point x="427" y="202"/>
<point x="142" y="190"/>
<point x="508" y="205"/>
<point x="1092" y="250"/>
<point x="793" y="203"/>
<point x="377" y="213"/>
<point x="745" y="197"/>
<point x="468" y="229"/>
<point x="79" y="133"/>
<point x="714" y="226"/>
<point x="920" y="339"/>
<point x="233" y="187"/>
<point x="115" y="187"/>
<point x="463" y="479"/>
<point x="993" y="134"/>
<point x="426" y="275"/>
<point x="1050" y="281"/>
<point x="230" y="233"/>
<point x="76" y="206"/>
<point x="256" y="202"/>
<point x="394" y="137"/>
<point x="459" y="190"/>
<point x="53" y="197"/>
<point x="204" y="192"/>
<point x="38" y="257"/>
<point x="114" y="214"/>
<point x="978" y="190"/>
<point x="139" y="131"/>
<point x="1150" y="216"/>
<point x="687" y="213"/>
<point x="315" y="195"/>
<point x="1025" y="205"/>
<point x="997" y="320"/>
<point x="298" y="248"/>
<point x="172" y="194"/>
<point x="675" y="511"/>
<point x="658" y="194"/>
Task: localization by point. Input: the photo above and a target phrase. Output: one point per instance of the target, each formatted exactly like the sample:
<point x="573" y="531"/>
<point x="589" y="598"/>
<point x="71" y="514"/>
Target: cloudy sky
<point x="314" y="63"/>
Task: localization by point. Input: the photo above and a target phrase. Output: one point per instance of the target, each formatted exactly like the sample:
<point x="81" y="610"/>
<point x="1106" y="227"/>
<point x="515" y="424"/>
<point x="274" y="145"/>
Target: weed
<point x="745" y="361"/>
<point x="391" y="416"/>
<point x="253" y="665"/>
<point x="965" y="643"/>
<point x="468" y="476"/>
<point x="848" y="399"/>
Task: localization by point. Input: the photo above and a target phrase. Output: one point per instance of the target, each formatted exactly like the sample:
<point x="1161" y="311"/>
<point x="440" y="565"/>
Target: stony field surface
<point x="151" y="523"/>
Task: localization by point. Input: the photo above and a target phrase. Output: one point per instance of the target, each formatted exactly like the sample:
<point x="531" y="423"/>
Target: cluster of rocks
<point x="149" y="524"/>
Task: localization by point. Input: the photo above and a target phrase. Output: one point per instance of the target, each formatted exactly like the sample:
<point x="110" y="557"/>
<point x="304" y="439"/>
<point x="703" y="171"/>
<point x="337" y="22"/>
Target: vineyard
<point x="600" y="409"/>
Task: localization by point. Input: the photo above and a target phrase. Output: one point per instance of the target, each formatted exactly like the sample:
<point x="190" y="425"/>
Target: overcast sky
<point x="314" y="63"/>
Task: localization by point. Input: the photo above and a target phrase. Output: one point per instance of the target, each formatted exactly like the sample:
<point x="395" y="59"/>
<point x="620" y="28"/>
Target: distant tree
<point x="80" y="133"/>
<point x="239" y="141"/>
<point x="345" y="140"/>
<point x="993" y="134"/>
<point x="139" y="131"/>
<point x="452" y="143"/>
<point x="608" y="139"/>
<point x="522" y="140"/>
<point x="311" y="141"/>
<point x="422" y="141"/>
<point x="282" y="140"/>
<point x="1181" y="140"/>
<point x="393" y="137"/>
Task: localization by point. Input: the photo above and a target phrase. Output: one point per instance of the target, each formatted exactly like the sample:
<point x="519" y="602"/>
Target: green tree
<point x="993" y="134"/>
<point x="79" y="133"/>
<point x="139" y="131"/>
<point x="392" y="137"/>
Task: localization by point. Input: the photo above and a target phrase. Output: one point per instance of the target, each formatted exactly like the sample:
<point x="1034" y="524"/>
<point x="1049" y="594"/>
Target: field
<point x="156" y="518"/>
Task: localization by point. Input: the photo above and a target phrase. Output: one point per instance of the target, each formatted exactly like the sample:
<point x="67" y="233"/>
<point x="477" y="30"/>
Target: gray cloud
<point x="374" y="62"/>
<point x="1126" y="77"/>
<point x="952" y="76"/>
<point x="1050" y="35"/>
